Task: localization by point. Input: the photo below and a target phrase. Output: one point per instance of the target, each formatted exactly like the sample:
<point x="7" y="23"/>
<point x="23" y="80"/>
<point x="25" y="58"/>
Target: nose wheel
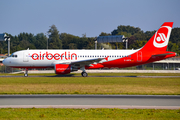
<point x="26" y="73"/>
<point x="84" y="74"/>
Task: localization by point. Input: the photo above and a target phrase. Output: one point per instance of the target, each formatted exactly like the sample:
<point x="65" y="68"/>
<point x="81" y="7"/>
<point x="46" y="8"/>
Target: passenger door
<point x="25" y="57"/>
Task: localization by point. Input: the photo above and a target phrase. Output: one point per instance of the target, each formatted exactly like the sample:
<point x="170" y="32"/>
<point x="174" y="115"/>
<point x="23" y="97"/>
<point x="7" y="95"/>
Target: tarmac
<point x="91" y="101"/>
<point x="106" y="71"/>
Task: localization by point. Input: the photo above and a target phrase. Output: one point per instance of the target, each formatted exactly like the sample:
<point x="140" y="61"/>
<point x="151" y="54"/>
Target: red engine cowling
<point x="62" y="68"/>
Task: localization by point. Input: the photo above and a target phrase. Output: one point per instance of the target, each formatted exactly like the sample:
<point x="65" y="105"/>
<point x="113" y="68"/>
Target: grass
<point x="84" y="114"/>
<point x="90" y="85"/>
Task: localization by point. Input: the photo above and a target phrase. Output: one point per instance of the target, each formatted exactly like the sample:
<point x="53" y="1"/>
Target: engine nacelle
<point x="62" y="68"/>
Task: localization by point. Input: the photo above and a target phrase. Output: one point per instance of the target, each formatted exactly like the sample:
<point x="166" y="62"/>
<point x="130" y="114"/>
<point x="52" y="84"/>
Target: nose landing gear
<point x="26" y="73"/>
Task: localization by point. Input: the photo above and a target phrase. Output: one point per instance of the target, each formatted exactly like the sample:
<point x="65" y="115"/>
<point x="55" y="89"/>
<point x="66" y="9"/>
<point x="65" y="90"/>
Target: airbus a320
<point x="66" y="61"/>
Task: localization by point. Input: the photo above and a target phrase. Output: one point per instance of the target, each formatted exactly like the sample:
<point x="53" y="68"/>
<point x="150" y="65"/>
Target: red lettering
<point x="62" y="56"/>
<point x="56" y="56"/>
<point x="37" y="58"/>
<point x="49" y="56"/>
<point x="40" y="56"/>
<point x="66" y="56"/>
<point x="74" y="56"/>
<point x="43" y="56"/>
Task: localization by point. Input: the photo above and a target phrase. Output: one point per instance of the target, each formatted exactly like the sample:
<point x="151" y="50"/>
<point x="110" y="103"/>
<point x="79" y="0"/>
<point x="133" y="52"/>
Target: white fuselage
<point x="48" y="58"/>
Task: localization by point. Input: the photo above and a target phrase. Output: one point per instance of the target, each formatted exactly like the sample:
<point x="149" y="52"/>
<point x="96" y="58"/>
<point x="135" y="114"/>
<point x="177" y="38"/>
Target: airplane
<point x="66" y="61"/>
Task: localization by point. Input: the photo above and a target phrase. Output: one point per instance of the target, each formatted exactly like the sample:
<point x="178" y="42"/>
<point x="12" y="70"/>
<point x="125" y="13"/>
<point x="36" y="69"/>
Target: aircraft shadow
<point x="112" y="76"/>
<point x="67" y="75"/>
<point x="73" y="75"/>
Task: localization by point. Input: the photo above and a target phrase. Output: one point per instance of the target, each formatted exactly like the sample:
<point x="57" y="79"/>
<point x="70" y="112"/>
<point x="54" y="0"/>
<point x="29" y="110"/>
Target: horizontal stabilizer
<point x="164" y="54"/>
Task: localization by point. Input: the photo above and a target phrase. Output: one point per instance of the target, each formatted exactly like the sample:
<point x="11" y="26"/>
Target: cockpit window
<point x="15" y="56"/>
<point x="12" y="55"/>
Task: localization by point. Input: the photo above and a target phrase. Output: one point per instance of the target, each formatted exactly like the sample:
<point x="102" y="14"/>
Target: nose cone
<point x="4" y="62"/>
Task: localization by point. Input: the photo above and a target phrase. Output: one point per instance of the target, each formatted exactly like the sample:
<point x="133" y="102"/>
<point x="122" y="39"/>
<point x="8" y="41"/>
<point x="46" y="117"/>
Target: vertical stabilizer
<point x="159" y="41"/>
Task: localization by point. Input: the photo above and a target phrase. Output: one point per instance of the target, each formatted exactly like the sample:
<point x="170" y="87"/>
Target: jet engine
<point x="63" y="69"/>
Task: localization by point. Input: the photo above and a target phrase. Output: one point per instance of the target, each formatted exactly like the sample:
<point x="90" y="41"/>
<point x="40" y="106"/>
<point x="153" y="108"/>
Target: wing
<point x="82" y="63"/>
<point x="88" y="62"/>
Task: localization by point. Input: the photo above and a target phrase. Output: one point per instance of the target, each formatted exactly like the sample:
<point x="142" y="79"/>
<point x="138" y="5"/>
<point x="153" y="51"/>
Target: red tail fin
<point x="159" y="41"/>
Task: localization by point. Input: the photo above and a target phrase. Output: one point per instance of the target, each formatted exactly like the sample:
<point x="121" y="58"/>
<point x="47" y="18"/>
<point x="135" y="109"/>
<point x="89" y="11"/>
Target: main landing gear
<point x="84" y="74"/>
<point x="26" y="73"/>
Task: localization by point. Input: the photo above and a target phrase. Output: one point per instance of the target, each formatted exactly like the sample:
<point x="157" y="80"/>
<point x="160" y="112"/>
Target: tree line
<point x="136" y="39"/>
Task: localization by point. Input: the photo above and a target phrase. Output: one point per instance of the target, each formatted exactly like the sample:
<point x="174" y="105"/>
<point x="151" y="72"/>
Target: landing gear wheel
<point x="25" y="75"/>
<point x="84" y="74"/>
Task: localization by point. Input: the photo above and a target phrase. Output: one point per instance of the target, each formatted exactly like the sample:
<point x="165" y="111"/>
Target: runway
<point x="91" y="101"/>
<point x="98" y="76"/>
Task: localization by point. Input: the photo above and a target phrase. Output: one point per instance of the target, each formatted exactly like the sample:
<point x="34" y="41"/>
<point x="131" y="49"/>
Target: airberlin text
<point x="56" y="56"/>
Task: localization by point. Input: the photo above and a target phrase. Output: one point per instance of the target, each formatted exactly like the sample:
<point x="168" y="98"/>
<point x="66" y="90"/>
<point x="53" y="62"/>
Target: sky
<point x="90" y="17"/>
